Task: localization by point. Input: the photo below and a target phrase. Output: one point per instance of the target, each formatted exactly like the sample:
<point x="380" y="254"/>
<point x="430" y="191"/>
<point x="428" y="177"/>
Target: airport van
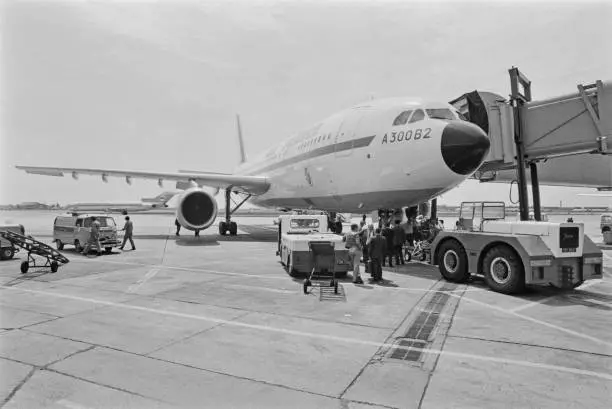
<point x="75" y="230"/>
<point x="7" y="250"/>
<point x="605" y="222"/>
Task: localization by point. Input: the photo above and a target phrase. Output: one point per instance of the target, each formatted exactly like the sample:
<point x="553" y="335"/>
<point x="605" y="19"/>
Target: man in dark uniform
<point x="399" y="237"/>
<point x="129" y="229"/>
<point x="377" y="249"/>
<point x="178" y="227"/>
<point x="388" y="235"/>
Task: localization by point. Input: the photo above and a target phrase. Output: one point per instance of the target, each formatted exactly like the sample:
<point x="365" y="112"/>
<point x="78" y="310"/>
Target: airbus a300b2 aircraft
<point x="384" y="154"/>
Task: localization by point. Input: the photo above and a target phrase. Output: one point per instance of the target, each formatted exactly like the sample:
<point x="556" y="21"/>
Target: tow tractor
<point x="296" y="232"/>
<point x="511" y="254"/>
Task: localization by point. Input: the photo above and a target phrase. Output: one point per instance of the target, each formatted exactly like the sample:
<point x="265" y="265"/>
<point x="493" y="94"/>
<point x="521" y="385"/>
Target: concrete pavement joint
<point x="442" y="344"/>
<point x="148" y="354"/>
<point x="18" y="387"/>
<point x="342" y="340"/>
<point x="106" y="386"/>
<point x="536" y="321"/>
<point x="379" y="351"/>
<point x="499" y="341"/>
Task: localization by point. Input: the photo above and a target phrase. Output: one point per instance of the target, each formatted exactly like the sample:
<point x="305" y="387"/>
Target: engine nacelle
<point x="196" y="209"/>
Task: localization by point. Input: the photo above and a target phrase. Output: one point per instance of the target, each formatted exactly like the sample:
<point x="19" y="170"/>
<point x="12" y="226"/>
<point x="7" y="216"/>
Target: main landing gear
<point x="228" y="226"/>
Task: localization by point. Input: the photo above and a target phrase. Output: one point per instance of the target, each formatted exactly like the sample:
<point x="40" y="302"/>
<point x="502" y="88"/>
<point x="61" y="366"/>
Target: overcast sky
<point x="155" y="85"/>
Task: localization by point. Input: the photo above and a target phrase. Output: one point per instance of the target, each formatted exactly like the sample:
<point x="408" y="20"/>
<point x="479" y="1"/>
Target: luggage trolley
<point x="323" y="256"/>
<point x="32" y="246"/>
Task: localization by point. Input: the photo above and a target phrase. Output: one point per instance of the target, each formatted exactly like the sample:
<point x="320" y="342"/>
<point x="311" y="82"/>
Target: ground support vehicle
<point x="7" y="249"/>
<point x="511" y="254"/>
<point x="606" y="227"/>
<point x="295" y="234"/>
<point x="323" y="256"/>
<point x="32" y="246"/>
<point x="75" y="229"/>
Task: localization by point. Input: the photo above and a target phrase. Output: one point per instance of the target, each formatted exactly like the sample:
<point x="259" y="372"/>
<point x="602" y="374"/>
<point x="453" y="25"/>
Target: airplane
<point x="384" y="154"/>
<point x="147" y="204"/>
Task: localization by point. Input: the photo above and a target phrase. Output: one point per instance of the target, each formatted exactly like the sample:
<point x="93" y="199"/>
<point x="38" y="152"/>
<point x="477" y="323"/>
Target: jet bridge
<point x="524" y="132"/>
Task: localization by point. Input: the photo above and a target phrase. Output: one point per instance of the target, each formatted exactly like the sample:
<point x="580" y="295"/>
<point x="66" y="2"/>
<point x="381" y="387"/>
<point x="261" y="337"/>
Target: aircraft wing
<point x="247" y="184"/>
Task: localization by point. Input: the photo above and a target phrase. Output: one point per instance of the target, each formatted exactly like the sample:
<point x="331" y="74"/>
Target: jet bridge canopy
<point x="566" y="125"/>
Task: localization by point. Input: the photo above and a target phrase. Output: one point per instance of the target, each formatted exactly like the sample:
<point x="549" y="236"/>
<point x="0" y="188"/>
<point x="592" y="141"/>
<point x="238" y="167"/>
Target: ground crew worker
<point x="129" y="229"/>
<point x="409" y="230"/>
<point x="362" y="223"/>
<point x="94" y="237"/>
<point x="377" y="249"/>
<point x="388" y="235"/>
<point x="178" y="226"/>
<point x="399" y="237"/>
<point x="352" y="243"/>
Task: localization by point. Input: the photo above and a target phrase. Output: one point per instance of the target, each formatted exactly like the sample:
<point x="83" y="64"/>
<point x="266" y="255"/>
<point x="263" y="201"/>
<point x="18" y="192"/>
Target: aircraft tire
<point x="503" y="270"/>
<point x="222" y="228"/>
<point x="453" y="262"/>
<point x="54" y="266"/>
<point x="233" y="228"/>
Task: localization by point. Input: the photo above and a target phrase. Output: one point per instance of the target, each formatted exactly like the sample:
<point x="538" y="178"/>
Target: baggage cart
<point x="32" y="246"/>
<point x="323" y="256"/>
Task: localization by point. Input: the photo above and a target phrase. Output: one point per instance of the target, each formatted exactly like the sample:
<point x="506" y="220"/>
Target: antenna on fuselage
<point x="240" y="140"/>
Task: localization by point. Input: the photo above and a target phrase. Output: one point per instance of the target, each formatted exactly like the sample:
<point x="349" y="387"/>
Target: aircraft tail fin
<point x="161" y="198"/>
<point x="240" y="140"/>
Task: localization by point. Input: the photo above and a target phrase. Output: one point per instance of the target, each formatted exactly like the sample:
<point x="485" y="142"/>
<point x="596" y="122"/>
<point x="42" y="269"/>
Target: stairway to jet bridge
<point x="571" y="124"/>
<point x="524" y="132"/>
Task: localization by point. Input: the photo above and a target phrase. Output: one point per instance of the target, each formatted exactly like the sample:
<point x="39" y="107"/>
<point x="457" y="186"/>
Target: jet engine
<point x="196" y="209"/>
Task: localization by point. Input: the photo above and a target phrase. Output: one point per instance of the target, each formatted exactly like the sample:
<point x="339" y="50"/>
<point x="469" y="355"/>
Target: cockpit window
<point x="440" y="113"/>
<point x="402" y="118"/>
<point x="417" y="116"/>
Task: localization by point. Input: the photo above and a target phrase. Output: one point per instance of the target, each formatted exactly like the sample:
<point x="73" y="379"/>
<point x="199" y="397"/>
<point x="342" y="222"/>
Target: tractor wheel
<point x="7" y="253"/>
<point x="453" y="262"/>
<point x="503" y="270"/>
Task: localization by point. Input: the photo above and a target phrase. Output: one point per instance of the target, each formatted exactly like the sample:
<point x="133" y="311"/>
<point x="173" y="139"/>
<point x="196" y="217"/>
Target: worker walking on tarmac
<point x="353" y="243"/>
<point x="129" y="229"/>
<point x="178" y="226"/>
<point x="94" y="237"/>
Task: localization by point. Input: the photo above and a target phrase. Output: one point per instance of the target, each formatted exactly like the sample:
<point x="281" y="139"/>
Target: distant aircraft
<point x="146" y="204"/>
<point x="384" y="154"/>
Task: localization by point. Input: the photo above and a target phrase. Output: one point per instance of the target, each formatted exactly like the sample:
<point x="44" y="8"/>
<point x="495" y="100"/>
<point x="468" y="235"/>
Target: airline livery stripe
<point x="323" y="150"/>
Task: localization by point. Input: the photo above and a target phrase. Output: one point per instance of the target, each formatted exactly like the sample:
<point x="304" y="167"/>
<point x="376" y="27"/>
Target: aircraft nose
<point x="464" y="146"/>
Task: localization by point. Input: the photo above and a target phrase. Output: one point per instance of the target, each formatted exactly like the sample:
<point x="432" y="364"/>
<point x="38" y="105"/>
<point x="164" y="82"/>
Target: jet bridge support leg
<point x="518" y="100"/>
<point x="535" y="191"/>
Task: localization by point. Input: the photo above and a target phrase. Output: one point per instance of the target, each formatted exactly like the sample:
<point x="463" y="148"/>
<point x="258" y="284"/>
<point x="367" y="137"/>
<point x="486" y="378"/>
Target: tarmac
<point x="216" y="322"/>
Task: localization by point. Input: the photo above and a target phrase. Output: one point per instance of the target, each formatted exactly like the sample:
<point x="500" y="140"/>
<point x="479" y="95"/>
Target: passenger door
<point x="345" y="137"/>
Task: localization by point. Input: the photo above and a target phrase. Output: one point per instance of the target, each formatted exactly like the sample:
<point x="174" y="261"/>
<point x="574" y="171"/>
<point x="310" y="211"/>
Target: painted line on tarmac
<point x="342" y="340"/>
<point x="247" y="275"/>
<point x="544" y="300"/>
<point x="536" y="321"/>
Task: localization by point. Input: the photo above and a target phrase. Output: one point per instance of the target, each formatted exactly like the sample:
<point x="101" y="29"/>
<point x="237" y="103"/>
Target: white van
<point x="76" y="229"/>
